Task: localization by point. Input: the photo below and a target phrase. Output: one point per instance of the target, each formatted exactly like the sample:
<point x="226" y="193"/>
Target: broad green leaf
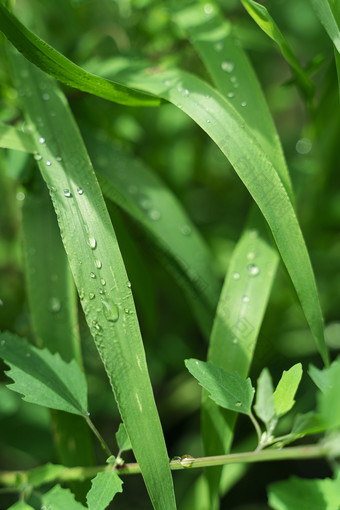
<point x="141" y="194"/>
<point x="328" y="401"/>
<point x="57" y="65"/>
<point x="20" y="505"/>
<point x="44" y="474"/>
<point x="99" y="274"/>
<point x="104" y="488"/>
<point x="304" y="494"/>
<point x="323" y="9"/>
<point x="122" y="439"/>
<point x="324" y="378"/>
<point x="218" y="117"/>
<point x="308" y="423"/>
<point x="44" y="378"/>
<point x="265" y="405"/>
<point x="262" y="17"/>
<point x="285" y="390"/>
<point x="228" y="390"/>
<point x="60" y="499"/>
<point x="12" y="138"/>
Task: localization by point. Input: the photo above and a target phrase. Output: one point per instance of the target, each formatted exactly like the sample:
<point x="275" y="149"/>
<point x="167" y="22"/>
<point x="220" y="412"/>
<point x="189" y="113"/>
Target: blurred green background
<point x="199" y="175"/>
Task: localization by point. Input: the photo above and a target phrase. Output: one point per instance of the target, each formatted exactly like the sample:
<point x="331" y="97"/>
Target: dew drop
<point x="80" y="191"/>
<point x="144" y="202"/>
<point x="67" y="193"/>
<point x="37" y="157"/>
<point x="111" y="310"/>
<point x="244" y="103"/>
<point x="129" y="285"/>
<point x="102" y="281"/>
<point x="126" y="310"/>
<point x="59" y="158"/>
<point x="226" y="66"/>
<point x="92" y="275"/>
<point x="186" y="92"/>
<point x="46" y="96"/>
<point x="187" y="461"/>
<point x="239" y="404"/>
<point x="42" y="140"/>
<point x="251" y="255"/>
<point x="245" y="299"/>
<point x="208" y="121"/>
<point x="236" y="276"/>
<point x="92" y="295"/>
<point x="98" y="263"/>
<point x="48" y="163"/>
<point x="253" y="270"/>
<point x="154" y="214"/>
<point x="91" y="242"/>
<point x="219" y="46"/>
<point x="96" y="325"/>
<point x="55" y="305"/>
<point x="230" y="94"/>
<point x="101" y="291"/>
<point x="185" y="230"/>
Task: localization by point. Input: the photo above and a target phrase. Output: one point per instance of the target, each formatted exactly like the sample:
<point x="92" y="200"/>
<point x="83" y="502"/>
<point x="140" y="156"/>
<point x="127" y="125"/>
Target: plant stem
<point x="16" y="478"/>
<point x="98" y="436"/>
<point x="257" y="428"/>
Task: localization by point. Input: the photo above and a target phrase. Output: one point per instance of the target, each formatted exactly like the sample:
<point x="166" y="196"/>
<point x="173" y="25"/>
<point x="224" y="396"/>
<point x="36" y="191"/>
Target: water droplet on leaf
<point x="111" y="310"/>
<point x="55" y="305"/>
<point x="80" y="191"/>
<point x="98" y="263"/>
<point x="48" y="163"/>
<point x="236" y="276"/>
<point x="226" y="66"/>
<point x="91" y="242"/>
<point x="92" y="275"/>
<point x="42" y="140"/>
<point x="92" y="295"/>
<point x="67" y="193"/>
<point x="253" y="270"/>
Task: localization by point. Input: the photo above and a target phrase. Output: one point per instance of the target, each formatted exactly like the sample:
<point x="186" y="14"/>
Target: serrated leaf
<point x="228" y="390"/>
<point x="61" y="499"/>
<point x="305" y="494"/>
<point x="104" y="487"/>
<point x="265" y="404"/>
<point x="285" y="390"/>
<point x="329" y="401"/>
<point x="44" y="378"/>
<point x="122" y="438"/>
<point x="323" y="378"/>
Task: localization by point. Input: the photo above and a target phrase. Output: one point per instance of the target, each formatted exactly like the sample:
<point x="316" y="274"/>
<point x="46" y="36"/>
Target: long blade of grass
<point x="99" y="273"/>
<point x="223" y="123"/>
<point x="53" y="305"/>
<point x="12" y="138"/>
<point x="140" y="193"/>
<point x="264" y="20"/>
<point x="330" y="19"/>
<point x="57" y="65"/>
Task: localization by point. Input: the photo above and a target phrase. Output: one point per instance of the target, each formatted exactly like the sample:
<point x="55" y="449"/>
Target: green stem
<point x="17" y="478"/>
<point x="257" y="428"/>
<point x="98" y="436"/>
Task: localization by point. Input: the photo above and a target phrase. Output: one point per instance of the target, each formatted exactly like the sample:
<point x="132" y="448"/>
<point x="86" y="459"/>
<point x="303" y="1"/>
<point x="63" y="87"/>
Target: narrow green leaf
<point x="99" y="274"/>
<point x="20" y="505"/>
<point x="218" y="117"/>
<point x="323" y="9"/>
<point x="12" y="138"/>
<point x="228" y="390"/>
<point x="328" y="401"/>
<point x="262" y="17"/>
<point x="104" y="488"/>
<point x="44" y="474"/>
<point x="324" y="378"/>
<point x="122" y="439"/>
<point x="44" y="378"/>
<point x="57" y="65"/>
<point x="265" y="405"/>
<point x="60" y="499"/>
<point x="285" y="390"/>
<point x="305" y="494"/>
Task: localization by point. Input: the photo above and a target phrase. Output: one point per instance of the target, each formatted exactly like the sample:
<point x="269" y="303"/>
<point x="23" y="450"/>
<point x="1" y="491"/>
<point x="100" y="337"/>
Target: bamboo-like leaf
<point x="262" y="17"/>
<point x="285" y="390"/>
<point x="228" y="390"/>
<point x="99" y="274"/>
<point x="104" y="488"/>
<point x="12" y="138"/>
<point x="44" y="378"/>
<point x="323" y="9"/>
<point x="57" y="65"/>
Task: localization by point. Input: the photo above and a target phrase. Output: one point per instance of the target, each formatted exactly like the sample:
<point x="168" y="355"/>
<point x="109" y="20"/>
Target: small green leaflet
<point x="329" y="401"/>
<point x="122" y="438"/>
<point x="305" y="494"/>
<point x="226" y="389"/>
<point x="44" y="378"/>
<point x="60" y="499"/>
<point x="44" y="474"/>
<point x="323" y="378"/>
<point x="104" y="487"/>
<point x="265" y="404"/>
<point x="285" y="390"/>
<point x="20" y="505"/>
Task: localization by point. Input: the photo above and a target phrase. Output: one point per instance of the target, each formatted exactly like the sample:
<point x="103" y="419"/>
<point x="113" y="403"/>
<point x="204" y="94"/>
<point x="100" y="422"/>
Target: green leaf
<point x="324" y="378"/>
<point x="262" y="17"/>
<point x="305" y="494"/>
<point x="104" y="488"/>
<point x="228" y="390"/>
<point x="122" y="439"/>
<point x="308" y="423"/>
<point x="20" y="505"/>
<point x="44" y="474"/>
<point x="265" y="404"/>
<point x="328" y="401"/>
<point x="60" y="499"/>
<point x="99" y="274"/>
<point x="12" y="138"/>
<point x="44" y="378"/>
<point x="54" y="63"/>
<point x="285" y="390"/>
<point x="323" y="9"/>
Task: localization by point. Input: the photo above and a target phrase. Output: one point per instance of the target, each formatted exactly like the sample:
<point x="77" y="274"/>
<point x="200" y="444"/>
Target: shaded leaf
<point x="104" y="487"/>
<point x="265" y="404"/>
<point x="122" y="438"/>
<point x="329" y="401"/>
<point x="12" y="138"/>
<point x="44" y="474"/>
<point x="228" y="390"/>
<point x="324" y="378"/>
<point x="285" y="390"/>
<point x="44" y="378"/>
<point x="20" y="505"/>
<point x="323" y="9"/>
<point x="60" y="499"/>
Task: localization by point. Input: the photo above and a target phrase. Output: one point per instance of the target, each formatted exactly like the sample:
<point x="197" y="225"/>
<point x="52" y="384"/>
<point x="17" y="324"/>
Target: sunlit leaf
<point x="285" y="390"/>
<point x="104" y="488"/>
